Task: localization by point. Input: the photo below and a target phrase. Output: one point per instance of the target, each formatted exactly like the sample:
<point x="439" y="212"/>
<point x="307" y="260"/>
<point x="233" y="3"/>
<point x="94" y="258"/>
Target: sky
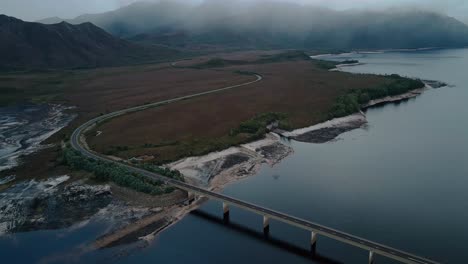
<point x="32" y="10"/>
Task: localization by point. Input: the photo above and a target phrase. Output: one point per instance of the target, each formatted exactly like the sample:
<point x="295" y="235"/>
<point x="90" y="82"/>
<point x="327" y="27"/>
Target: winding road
<point x="77" y="141"/>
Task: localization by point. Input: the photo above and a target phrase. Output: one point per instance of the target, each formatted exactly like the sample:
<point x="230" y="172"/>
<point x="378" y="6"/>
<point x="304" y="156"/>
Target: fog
<point x="32" y="10"/>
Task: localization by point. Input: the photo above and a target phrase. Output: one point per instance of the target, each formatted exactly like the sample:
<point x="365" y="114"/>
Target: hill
<point x="28" y="45"/>
<point x="278" y="25"/>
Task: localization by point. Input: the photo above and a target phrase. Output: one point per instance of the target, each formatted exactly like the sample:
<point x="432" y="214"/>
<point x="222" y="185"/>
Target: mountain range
<point x="144" y="32"/>
<point x="277" y="25"/>
<point x="29" y="45"/>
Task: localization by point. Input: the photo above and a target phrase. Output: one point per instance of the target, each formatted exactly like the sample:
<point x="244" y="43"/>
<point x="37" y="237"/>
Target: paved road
<point x="374" y="247"/>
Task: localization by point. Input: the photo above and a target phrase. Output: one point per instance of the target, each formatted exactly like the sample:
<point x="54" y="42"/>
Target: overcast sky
<point x="37" y="9"/>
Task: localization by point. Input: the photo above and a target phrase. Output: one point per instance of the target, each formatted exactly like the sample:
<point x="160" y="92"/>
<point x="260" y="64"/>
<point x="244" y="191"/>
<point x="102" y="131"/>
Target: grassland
<point x="295" y="90"/>
<point x="300" y="90"/>
<point x="99" y="91"/>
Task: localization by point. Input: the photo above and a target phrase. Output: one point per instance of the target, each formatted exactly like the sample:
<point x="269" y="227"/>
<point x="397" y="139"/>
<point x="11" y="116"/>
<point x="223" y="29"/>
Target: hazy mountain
<point x="134" y="19"/>
<point x="63" y="45"/>
<point x="279" y="25"/>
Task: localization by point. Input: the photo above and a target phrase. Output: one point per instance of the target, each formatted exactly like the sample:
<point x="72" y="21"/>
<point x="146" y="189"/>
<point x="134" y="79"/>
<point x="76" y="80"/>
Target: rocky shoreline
<point x="326" y="131"/>
<point x="216" y="170"/>
<point x="331" y="129"/>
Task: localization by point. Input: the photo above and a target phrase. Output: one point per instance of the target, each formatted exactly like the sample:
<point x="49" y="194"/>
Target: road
<point x="371" y="246"/>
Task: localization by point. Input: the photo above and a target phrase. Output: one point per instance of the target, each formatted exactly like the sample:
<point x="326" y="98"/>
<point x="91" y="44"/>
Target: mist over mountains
<point x="143" y="32"/>
<point x="277" y="25"/>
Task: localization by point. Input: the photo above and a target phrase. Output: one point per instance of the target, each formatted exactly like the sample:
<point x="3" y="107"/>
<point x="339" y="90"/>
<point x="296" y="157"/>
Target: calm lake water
<point x="400" y="181"/>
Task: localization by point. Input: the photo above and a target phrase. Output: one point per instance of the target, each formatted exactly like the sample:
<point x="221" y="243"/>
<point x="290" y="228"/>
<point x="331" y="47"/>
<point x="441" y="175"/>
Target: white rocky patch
<point x="354" y="119"/>
<point x="238" y="161"/>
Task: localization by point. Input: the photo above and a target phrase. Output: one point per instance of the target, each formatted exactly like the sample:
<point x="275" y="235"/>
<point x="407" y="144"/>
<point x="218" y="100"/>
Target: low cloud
<point x="38" y="9"/>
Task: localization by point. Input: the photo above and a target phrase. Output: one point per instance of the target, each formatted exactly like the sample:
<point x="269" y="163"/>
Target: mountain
<point x="28" y="45"/>
<point x="278" y="25"/>
<point x="133" y="19"/>
<point x="403" y="29"/>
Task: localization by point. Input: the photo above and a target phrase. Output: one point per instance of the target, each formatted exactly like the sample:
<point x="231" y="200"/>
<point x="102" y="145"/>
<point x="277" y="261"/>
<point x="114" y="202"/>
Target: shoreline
<point x="219" y="169"/>
<point x="216" y="170"/>
<point x="210" y="167"/>
<point x="377" y="51"/>
<point x="329" y="130"/>
<point x="213" y="171"/>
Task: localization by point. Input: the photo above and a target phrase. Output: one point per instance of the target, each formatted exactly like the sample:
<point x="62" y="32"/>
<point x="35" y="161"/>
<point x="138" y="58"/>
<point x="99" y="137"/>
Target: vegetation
<point x="352" y="101"/>
<point x="244" y="72"/>
<point x="325" y="65"/>
<point x="249" y="130"/>
<point x="257" y="126"/>
<point x="108" y="171"/>
<point x="216" y="63"/>
<point x="283" y="56"/>
<point x="115" y="149"/>
<point x="307" y="97"/>
<point x="32" y="87"/>
<point x="328" y="65"/>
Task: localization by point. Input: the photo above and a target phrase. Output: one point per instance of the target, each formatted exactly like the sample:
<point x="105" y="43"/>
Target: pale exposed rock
<point x="232" y="163"/>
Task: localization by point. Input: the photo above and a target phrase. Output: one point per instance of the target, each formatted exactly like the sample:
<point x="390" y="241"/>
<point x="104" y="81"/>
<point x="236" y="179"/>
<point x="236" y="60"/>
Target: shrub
<point x="108" y="171"/>
<point x="352" y="101"/>
<point x="257" y="125"/>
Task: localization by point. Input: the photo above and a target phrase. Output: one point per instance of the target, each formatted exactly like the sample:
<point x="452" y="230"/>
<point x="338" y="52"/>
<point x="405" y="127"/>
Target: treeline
<point x="325" y="65"/>
<point x="284" y="56"/>
<point x="352" y="101"/>
<point x="108" y="171"/>
<point x="328" y="65"/>
<point x="257" y="126"/>
<point x="217" y="63"/>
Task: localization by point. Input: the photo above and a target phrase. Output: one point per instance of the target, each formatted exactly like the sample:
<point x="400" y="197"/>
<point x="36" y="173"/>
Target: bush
<point x="326" y="65"/>
<point x="352" y="101"/>
<point x="257" y="125"/>
<point x="108" y="171"/>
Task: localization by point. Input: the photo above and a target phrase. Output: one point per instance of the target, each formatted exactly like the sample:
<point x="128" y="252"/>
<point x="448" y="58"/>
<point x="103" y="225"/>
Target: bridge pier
<point x="313" y="242"/>
<point x="225" y="212"/>
<point x="190" y="198"/>
<point x="266" y="225"/>
<point x="371" y="257"/>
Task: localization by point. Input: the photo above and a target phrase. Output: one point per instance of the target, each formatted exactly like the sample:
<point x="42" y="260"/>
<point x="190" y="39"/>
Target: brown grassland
<point x="98" y="91"/>
<point x="300" y="89"/>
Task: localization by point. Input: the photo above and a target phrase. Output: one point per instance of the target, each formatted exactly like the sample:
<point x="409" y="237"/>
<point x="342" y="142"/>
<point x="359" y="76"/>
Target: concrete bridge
<point x="315" y="229"/>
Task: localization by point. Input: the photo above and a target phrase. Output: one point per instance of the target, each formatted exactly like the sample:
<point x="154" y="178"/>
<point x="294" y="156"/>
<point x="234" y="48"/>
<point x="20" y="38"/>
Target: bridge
<point x="77" y="139"/>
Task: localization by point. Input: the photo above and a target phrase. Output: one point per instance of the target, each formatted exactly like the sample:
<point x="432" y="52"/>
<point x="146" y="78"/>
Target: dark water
<point x="401" y="181"/>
